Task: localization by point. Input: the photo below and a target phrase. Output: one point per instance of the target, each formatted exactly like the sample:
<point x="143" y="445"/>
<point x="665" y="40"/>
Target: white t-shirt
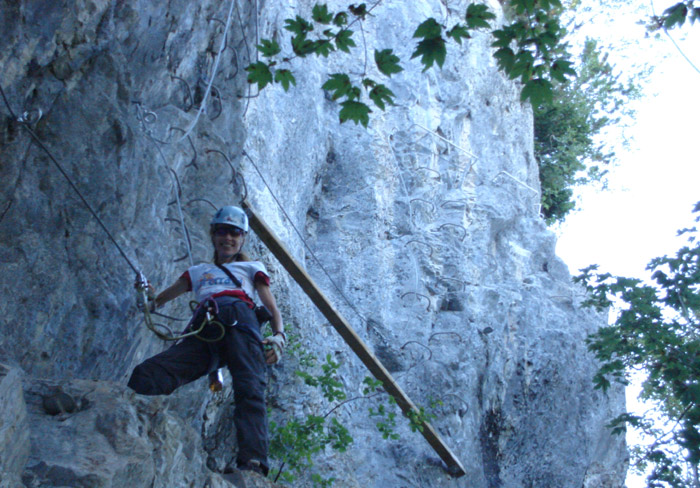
<point x="207" y="279"/>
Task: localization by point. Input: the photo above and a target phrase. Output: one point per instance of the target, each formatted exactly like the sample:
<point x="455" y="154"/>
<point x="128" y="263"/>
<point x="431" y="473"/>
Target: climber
<point x="224" y="287"/>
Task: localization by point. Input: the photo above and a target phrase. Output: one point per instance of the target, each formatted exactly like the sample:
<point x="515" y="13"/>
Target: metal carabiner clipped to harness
<point x="208" y="319"/>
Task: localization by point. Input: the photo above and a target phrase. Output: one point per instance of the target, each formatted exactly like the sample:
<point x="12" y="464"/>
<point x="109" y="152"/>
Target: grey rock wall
<point x="427" y="223"/>
<point x="14" y="433"/>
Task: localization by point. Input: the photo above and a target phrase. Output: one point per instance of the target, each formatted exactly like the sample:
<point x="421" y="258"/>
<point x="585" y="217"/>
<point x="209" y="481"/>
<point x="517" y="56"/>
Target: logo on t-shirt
<point x="210" y="279"/>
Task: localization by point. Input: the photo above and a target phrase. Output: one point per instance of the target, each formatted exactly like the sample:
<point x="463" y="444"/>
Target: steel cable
<point x="291" y="222"/>
<point x="36" y="139"/>
<point x="215" y="68"/>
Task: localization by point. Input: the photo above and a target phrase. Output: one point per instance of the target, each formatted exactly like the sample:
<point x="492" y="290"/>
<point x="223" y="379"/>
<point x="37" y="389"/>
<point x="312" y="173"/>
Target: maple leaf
<point x="358" y="112"/>
<point x="268" y="48"/>
<point x="387" y="62"/>
<point x="321" y="14"/>
<point x="259" y="73"/>
<point x="285" y="77"/>
<point x="458" y="32"/>
<point x="379" y="94"/>
<point x="344" y="40"/>
<point x="431" y="50"/>
<point x="478" y="15"/>
<point x="340" y="84"/>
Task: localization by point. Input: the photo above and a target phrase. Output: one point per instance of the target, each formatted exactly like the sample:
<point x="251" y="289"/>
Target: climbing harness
<point x="211" y="317"/>
<point x="262" y="314"/>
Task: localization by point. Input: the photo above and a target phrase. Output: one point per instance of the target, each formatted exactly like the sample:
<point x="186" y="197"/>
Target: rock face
<point x="14" y="434"/>
<point x="422" y="229"/>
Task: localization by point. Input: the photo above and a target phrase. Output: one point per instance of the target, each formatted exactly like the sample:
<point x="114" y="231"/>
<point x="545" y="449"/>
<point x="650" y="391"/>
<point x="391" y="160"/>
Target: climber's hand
<point x="274" y="348"/>
<point x="150" y="291"/>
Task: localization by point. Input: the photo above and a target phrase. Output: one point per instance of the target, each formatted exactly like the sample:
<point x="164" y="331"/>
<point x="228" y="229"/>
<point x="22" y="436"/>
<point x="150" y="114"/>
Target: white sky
<point x="654" y="188"/>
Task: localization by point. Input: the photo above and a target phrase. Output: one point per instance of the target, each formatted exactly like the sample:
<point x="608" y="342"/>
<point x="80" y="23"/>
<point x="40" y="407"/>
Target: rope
<point x="145" y="119"/>
<point x="306" y="245"/>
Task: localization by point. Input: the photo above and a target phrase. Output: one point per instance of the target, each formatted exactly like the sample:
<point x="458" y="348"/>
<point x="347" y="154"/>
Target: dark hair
<point x="241" y="256"/>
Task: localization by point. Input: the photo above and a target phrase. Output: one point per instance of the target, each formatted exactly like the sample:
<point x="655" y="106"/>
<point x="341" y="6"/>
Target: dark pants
<point x="241" y="351"/>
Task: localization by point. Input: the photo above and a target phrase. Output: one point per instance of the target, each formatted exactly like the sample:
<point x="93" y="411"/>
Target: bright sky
<point x="654" y="188"/>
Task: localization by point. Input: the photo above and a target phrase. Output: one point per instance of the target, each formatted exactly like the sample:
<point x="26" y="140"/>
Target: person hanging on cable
<point x="225" y="289"/>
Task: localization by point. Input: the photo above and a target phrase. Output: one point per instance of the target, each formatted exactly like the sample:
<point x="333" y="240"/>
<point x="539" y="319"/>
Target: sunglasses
<point x="228" y="229"/>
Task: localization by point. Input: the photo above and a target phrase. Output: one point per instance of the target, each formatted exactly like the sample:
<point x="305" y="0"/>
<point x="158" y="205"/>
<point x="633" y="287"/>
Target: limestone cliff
<point x="427" y="222"/>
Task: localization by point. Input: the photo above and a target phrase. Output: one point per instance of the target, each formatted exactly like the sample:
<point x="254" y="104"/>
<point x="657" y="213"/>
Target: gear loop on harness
<point x="208" y="318"/>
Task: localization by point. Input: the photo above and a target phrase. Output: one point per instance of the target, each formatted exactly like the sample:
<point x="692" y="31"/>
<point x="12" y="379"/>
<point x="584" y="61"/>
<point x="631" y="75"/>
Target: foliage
<point x="528" y="49"/>
<point x="676" y="15"/>
<point x="419" y="417"/>
<point x="656" y="332"/>
<point x="331" y="388"/>
<point x="570" y="112"/>
<point x="296" y="441"/>
<point x="567" y="129"/>
<point x="386" y="422"/>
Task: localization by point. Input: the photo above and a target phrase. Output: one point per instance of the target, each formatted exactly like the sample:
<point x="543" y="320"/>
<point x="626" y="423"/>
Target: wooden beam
<point x="348" y="334"/>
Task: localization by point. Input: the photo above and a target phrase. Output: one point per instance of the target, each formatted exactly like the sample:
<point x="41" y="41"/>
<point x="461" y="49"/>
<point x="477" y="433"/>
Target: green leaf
<point x="675" y="15"/>
<point x="503" y="37"/>
<point x="340" y="19"/>
<point x="523" y="66"/>
<point x="560" y="69"/>
<point x="285" y="78"/>
<point x="359" y="11"/>
<point x="259" y="73"/>
<point x="387" y="62"/>
<point x="340" y="84"/>
<point x="321" y="14"/>
<point x="298" y="26"/>
<point x="431" y="51"/>
<point x="302" y="46"/>
<point x="506" y="58"/>
<point x="344" y="40"/>
<point x="458" y="32"/>
<point x="358" y="112"/>
<point x="268" y="48"/>
<point x="381" y="94"/>
<point x="428" y="29"/>
<point x="354" y="93"/>
<point x="478" y="16"/>
<point x="537" y="90"/>
<point x="549" y="4"/>
<point x="323" y="47"/>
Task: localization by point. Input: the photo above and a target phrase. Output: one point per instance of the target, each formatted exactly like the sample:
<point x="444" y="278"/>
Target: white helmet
<point x="231" y="215"/>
